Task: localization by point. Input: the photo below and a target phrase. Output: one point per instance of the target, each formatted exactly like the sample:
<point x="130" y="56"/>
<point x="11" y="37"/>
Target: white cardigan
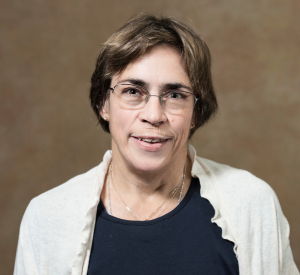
<point x="56" y="232"/>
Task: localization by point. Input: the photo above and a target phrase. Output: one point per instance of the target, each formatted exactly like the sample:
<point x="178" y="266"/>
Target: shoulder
<point x="74" y="190"/>
<point x="68" y="204"/>
<point x="249" y="203"/>
<point x="237" y="185"/>
<point x="64" y="204"/>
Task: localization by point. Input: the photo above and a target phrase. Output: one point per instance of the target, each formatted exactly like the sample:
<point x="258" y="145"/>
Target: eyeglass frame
<point x="148" y="96"/>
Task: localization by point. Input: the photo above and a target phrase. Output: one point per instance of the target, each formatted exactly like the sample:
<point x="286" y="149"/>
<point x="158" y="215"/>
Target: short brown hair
<point x="136" y="38"/>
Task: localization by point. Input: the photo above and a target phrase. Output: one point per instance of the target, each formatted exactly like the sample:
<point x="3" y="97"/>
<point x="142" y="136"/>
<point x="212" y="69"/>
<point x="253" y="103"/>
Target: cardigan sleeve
<point x="27" y="257"/>
<point x="265" y="234"/>
<point x="286" y="261"/>
<point x="264" y="242"/>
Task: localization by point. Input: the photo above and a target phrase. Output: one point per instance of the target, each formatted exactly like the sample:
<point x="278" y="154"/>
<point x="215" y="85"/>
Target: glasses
<point x="133" y="97"/>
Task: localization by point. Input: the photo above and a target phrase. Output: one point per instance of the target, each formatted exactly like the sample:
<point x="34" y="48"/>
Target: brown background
<point x="48" y="132"/>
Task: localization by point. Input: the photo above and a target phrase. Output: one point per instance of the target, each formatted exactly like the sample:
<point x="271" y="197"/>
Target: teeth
<point x="151" y="140"/>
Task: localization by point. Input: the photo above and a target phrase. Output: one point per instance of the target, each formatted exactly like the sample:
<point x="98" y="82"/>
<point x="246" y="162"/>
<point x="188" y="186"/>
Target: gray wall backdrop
<point x="48" y="132"/>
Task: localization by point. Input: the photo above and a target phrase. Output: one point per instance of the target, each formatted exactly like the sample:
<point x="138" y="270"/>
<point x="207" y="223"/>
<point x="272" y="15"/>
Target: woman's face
<point x="156" y="70"/>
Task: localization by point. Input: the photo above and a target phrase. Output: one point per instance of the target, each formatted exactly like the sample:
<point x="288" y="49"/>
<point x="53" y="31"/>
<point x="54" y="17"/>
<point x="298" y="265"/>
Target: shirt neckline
<point x="181" y="205"/>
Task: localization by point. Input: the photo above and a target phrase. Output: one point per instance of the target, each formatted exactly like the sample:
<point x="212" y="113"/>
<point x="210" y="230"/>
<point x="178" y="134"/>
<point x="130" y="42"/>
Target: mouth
<point x="151" y="140"/>
<point x="151" y="144"/>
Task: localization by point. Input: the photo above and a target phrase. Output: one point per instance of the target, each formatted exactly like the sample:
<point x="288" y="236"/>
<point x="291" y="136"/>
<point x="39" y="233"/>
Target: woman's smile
<point x="151" y="144"/>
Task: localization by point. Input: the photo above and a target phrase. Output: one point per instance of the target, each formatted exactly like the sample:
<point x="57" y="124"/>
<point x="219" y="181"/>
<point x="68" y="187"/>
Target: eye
<point x="175" y="95"/>
<point x="132" y="91"/>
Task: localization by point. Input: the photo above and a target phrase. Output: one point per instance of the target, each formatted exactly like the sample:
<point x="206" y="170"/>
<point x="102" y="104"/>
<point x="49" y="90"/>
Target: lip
<point x="151" y="137"/>
<point x="151" y="147"/>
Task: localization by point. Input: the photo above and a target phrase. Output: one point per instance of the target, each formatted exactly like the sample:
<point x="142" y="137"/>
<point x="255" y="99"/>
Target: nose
<point x="153" y="111"/>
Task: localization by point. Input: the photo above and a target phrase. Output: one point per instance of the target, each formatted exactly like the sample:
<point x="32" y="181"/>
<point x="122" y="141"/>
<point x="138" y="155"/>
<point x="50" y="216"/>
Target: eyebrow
<point x="176" y="86"/>
<point x="134" y="81"/>
<point x="167" y="86"/>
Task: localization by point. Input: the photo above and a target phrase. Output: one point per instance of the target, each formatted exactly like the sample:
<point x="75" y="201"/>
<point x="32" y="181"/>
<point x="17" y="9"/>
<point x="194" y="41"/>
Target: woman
<point x="152" y="206"/>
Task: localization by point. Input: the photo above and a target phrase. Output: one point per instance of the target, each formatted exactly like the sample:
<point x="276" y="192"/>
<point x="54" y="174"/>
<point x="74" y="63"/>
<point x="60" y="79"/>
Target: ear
<point x="104" y="112"/>
<point x="193" y="121"/>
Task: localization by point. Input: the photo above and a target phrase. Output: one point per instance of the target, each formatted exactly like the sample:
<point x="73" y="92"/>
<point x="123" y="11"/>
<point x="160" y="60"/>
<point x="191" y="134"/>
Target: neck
<point x="144" y="184"/>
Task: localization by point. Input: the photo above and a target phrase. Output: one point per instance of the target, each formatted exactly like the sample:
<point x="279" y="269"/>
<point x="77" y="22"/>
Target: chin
<point x="149" y="163"/>
<point x="148" y="168"/>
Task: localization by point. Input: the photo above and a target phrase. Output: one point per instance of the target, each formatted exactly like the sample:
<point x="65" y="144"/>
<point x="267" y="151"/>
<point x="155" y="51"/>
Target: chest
<point x="182" y="242"/>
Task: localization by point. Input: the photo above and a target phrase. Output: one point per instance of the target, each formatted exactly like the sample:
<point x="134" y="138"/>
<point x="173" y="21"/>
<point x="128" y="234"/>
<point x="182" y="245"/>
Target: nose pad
<point x="160" y="99"/>
<point x="153" y="113"/>
<point x="161" y="102"/>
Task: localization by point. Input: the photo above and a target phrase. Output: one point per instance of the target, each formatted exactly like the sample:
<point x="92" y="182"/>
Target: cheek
<point x="121" y="121"/>
<point x="181" y="126"/>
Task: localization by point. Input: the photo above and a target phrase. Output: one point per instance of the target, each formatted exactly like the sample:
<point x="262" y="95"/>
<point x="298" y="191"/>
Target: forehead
<point x="161" y="65"/>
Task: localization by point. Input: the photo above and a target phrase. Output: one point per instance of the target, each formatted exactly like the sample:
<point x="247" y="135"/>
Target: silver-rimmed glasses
<point x="132" y="97"/>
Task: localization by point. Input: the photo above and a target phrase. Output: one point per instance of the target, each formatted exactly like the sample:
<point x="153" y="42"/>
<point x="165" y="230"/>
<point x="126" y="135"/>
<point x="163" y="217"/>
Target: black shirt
<point x="184" y="241"/>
